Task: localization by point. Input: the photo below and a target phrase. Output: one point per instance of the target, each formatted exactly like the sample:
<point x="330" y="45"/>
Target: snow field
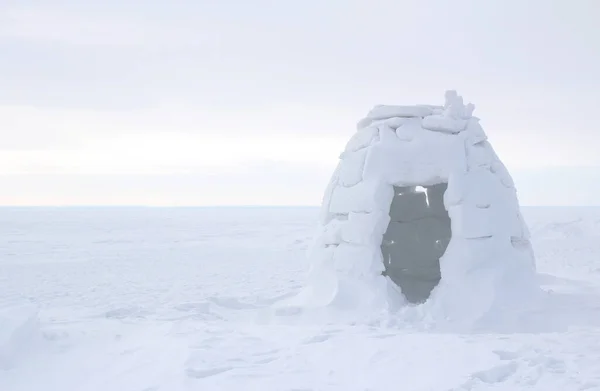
<point x="180" y="299"/>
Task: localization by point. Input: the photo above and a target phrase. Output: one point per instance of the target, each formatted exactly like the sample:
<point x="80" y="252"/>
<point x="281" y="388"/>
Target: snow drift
<point x="488" y="264"/>
<point x="18" y="330"/>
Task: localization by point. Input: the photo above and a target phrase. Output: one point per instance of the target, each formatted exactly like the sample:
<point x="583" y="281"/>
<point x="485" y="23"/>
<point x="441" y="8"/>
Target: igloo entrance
<point x="416" y="238"/>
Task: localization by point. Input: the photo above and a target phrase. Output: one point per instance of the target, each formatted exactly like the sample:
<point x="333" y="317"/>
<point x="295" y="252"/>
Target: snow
<point x="18" y="330"/>
<point x="489" y="262"/>
<point x="181" y="299"/>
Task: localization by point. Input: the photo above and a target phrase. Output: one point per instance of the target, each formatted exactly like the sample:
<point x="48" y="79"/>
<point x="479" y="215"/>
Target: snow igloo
<point x="420" y="209"/>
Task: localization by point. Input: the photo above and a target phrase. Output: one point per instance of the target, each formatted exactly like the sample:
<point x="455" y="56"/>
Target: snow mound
<point x="18" y="329"/>
<point x="488" y="266"/>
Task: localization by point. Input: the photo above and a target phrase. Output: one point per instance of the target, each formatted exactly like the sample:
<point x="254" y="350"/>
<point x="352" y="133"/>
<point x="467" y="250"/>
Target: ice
<point x="429" y="146"/>
<point x="182" y="299"/>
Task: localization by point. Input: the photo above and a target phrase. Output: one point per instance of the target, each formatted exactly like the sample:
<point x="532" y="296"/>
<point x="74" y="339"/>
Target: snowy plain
<point x="170" y="299"/>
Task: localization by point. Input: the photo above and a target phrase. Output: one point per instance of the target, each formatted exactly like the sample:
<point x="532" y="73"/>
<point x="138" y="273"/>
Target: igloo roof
<point x="415" y="144"/>
<point x="488" y="263"/>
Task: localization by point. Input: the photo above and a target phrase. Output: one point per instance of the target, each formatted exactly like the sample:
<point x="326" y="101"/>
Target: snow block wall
<point x="489" y="261"/>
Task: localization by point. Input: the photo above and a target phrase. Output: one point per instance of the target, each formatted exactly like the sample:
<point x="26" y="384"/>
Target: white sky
<point x="250" y="102"/>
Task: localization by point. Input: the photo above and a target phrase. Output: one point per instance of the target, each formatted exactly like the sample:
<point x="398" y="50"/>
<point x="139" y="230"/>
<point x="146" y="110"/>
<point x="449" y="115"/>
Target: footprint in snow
<point x="127" y="312"/>
<point x="383" y="336"/>
<point x="492" y="376"/>
<point x="317" y="339"/>
<point x="203" y="307"/>
<point x="506" y="355"/>
<point x="231" y="303"/>
<point x="496" y="374"/>
<point x="265" y="360"/>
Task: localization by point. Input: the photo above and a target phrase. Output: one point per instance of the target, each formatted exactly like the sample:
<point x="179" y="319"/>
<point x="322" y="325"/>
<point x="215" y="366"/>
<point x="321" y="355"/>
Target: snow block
<point x="351" y="171"/>
<point x="396" y="122"/>
<point x="478" y="155"/>
<point x="385" y="112"/>
<point x="476" y="133"/>
<point x="325" y="216"/>
<point x="367" y="196"/>
<point x="454" y="106"/>
<point x="499" y="169"/>
<point x="330" y="233"/>
<point x="357" y="261"/>
<point x="361" y="139"/>
<point x="440" y="123"/>
<point x="482" y="188"/>
<point x="409" y="130"/>
<point x="457" y="189"/>
<point x="470" y="222"/>
<point x="525" y="233"/>
<point x="365" y="228"/>
<point x="387" y="135"/>
<point x="322" y="258"/>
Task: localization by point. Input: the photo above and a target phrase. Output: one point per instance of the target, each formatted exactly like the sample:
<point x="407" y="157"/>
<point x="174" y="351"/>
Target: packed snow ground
<point x="138" y="299"/>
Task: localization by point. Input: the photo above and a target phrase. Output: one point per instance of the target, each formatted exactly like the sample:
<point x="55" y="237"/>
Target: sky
<point x="197" y="102"/>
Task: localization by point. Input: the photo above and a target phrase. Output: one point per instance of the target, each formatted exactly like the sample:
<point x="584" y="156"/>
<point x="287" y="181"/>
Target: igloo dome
<point x="420" y="208"/>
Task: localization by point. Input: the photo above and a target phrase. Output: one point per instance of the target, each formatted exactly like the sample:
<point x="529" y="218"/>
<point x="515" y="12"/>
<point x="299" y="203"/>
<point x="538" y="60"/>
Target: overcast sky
<point x="203" y="102"/>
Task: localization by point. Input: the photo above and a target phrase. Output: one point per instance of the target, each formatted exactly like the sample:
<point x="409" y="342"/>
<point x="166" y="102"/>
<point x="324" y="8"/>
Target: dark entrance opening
<point x="416" y="238"/>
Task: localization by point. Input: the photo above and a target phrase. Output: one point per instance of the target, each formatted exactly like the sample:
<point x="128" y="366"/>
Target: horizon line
<point x="234" y="206"/>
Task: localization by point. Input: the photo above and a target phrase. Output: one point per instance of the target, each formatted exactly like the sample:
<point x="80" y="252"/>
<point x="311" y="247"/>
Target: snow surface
<point x="180" y="299"/>
<point x="489" y="262"/>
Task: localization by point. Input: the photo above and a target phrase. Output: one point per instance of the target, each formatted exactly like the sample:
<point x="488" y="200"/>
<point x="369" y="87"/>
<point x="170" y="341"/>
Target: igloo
<point x="420" y="209"/>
